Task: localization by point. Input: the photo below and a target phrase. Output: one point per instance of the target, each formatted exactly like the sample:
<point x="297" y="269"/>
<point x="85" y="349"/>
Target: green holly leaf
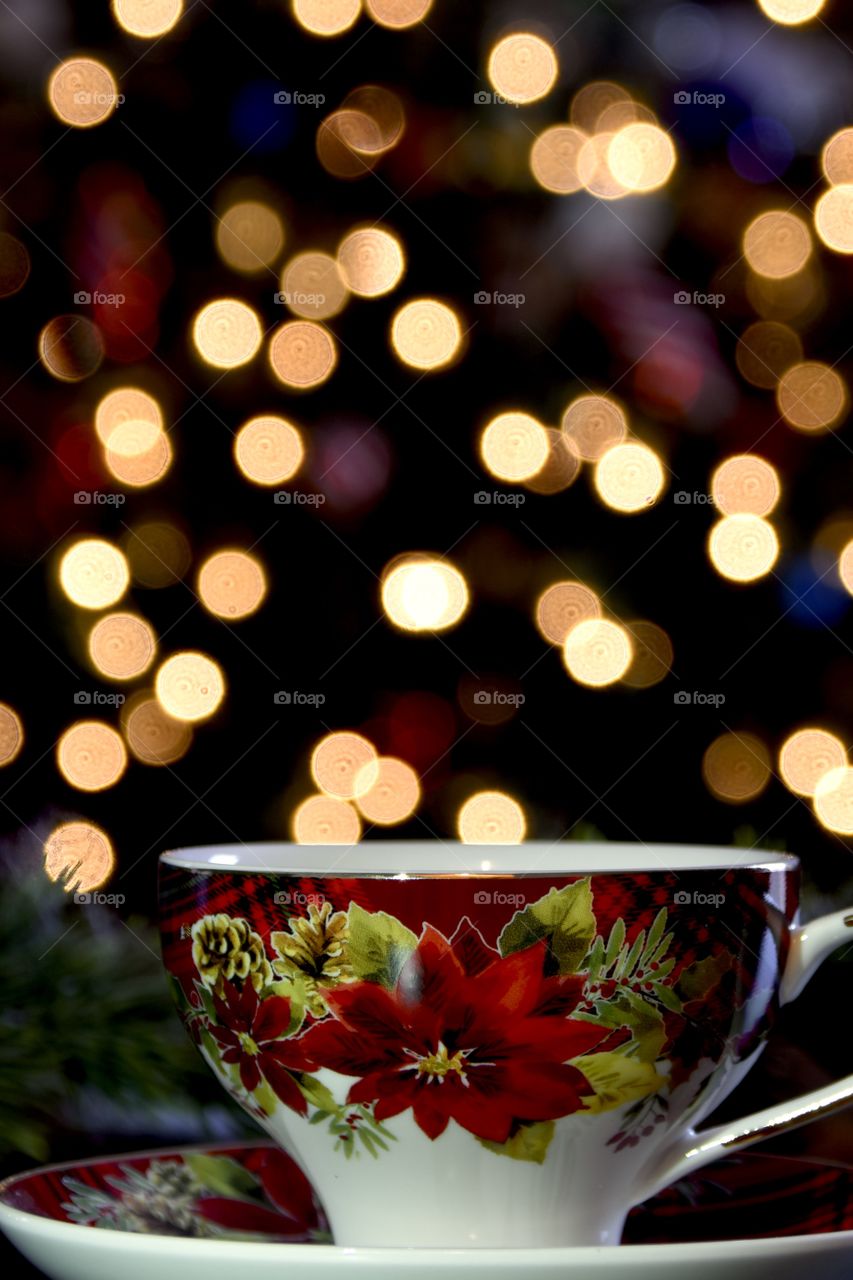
<point x="698" y="979"/>
<point x="265" y="1096"/>
<point x="615" y="1080"/>
<point x="530" y="1143"/>
<point x="378" y="946"/>
<point x="222" y="1175"/>
<point x="563" y="918"/>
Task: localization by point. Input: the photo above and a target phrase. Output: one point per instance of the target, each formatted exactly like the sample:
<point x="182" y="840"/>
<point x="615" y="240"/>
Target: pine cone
<point x="226" y="948"/>
<point x="315" y="947"/>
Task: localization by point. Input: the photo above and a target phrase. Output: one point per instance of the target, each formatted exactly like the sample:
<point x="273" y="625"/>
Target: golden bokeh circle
<point x="91" y="755"/>
<point x="14" y="265"/>
<point x="371" y="261"/>
<point x="189" y="686"/>
<point x="593" y="424"/>
<point x="791" y="12"/>
<point x="423" y="593"/>
<point x="745" y="484"/>
<point x="777" y="244"/>
<point x="845" y="566"/>
<point x="249" y="236"/>
<point x="562" y="606"/>
<point x="82" y="92"/>
<point x="554" y="158"/>
<point x="397" y="14"/>
<point x="514" y="446"/>
<point x="153" y="737"/>
<point x="158" y="553"/>
<point x="125" y="404"/>
<point x="139" y="470"/>
<point x="522" y="67"/>
<point x="629" y="477"/>
<point x="231" y="584"/>
<point x="597" y="652"/>
<point x="641" y="156"/>
<point x="268" y="450"/>
<point x="426" y="334"/>
<point x="325" y="820"/>
<point x="11" y="734"/>
<point x="653" y="655"/>
<point x="312" y="286"/>
<point x="811" y="396"/>
<point x="133" y="437"/>
<point x="302" y="354"/>
<point x="326" y="17"/>
<point x="561" y="468"/>
<point x="147" y="18"/>
<point x="833" y="801"/>
<point x="765" y="351"/>
<point x="592" y="100"/>
<point x="807" y="756"/>
<point x="388" y="791"/>
<point x="833" y="217"/>
<point x="491" y="817"/>
<point x="122" y="646"/>
<point x="70" y="348"/>
<point x="227" y="333"/>
<point x="837" y="157"/>
<point x="94" y="574"/>
<point x="383" y="108"/>
<point x="343" y="764"/>
<point x="80" y="854"/>
<point x="736" y="767"/>
<point x="594" y="168"/>
<point x="743" y="548"/>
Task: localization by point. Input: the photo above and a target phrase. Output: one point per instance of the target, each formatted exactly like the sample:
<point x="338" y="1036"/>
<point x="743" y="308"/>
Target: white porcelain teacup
<point x="490" y="1046"/>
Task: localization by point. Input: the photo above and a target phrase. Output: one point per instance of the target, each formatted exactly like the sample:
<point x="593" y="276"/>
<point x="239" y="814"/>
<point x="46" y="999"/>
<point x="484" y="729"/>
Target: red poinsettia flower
<point x="464" y="1036"/>
<point x="249" y="1032"/>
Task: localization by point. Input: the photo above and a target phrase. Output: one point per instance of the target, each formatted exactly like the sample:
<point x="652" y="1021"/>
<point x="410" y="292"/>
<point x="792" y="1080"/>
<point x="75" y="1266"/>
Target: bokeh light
<point x="302" y="354"/>
<point x="422" y="593"/>
<point x="326" y="17"/>
<point x="189" y="686"/>
<point x="562" y="606"/>
<point x="325" y="820"/>
<point x="139" y="470"/>
<point x="125" y="404"/>
<point x="268" y="450"/>
<point x="594" y="168"/>
<point x="371" y="261"/>
<point x="833" y="801"/>
<point x="837" y="157"/>
<point x="70" y="348"/>
<point x="426" y="334"/>
<point x="833" y="217"/>
<point x="745" y="484"/>
<point x="811" y="396"/>
<point x="147" y="18"/>
<point x="80" y="855"/>
<point x="343" y="764"/>
<point x="14" y="265"/>
<point x="514" y="446"/>
<point x="743" y="548"/>
<point x="522" y="67"/>
<point x="384" y="109"/>
<point x="554" y="158"/>
<point x="91" y="755"/>
<point x="82" y="92"/>
<point x="592" y="100"/>
<point x="593" y="424"/>
<point x="845" y="566"/>
<point x="11" y="734"/>
<point x="397" y="14"/>
<point x="349" y="143"/>
<point x="232" y="584"/>
<point x="94" y="574"/>
<point x="249" y="236"/>
<point x="777" y="244"/>
<point x="491" y="817"/>
<point x="808" y="755"/>
<point x="122" y="646"/>
<point x="629" y="477"/>
<point x="597" y="652"/>
<point x="736" y="767"/>
<point x="652" y="655"/>
<point x="157" y="551"/>
<point x="153" y="737"/>
<point x="387" y="791"/>
<point x="312" y="286"/>
<point x="227" y="333"/>
<point x="641" y="157"/>
<point x="791" y="12"/>
<point x="765" y="351"/>
<point x="561" y="467"/>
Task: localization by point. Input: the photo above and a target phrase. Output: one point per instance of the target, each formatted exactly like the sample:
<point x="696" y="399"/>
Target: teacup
<point x="490" y="1046"/>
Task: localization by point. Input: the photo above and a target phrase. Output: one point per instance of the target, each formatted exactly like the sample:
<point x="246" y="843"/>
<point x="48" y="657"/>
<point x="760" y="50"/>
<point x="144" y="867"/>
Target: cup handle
<point x="691" y="1150"/>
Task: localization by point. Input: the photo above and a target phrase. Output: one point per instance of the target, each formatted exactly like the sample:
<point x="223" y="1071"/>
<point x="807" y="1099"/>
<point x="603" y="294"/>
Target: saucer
<point x="205" y="1212"/>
